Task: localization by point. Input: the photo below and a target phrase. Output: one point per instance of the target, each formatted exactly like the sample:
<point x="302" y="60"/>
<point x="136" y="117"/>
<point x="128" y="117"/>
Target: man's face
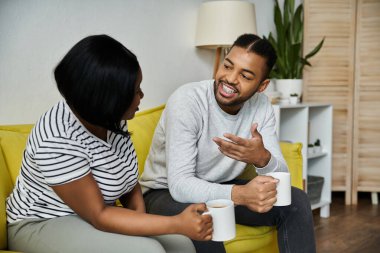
<point x="239" y="77"/>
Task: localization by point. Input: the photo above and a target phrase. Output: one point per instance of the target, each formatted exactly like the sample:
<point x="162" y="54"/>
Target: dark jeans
<point x="294" y="223"/>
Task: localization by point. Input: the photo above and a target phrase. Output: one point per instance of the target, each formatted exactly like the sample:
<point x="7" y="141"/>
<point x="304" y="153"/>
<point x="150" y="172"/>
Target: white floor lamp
<point x="221" y="22"/>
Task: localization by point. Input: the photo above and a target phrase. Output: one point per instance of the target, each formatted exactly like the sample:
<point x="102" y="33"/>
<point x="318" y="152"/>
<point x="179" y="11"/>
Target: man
<point x="209" y="132"/>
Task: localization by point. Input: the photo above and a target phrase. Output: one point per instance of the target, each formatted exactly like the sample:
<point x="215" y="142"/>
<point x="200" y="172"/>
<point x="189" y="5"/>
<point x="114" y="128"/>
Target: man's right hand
<point x="258" y="195"/>
<point x="195" y="225"/>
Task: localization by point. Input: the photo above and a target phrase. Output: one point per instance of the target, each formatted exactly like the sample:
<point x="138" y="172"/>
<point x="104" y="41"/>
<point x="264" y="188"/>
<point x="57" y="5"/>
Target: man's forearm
<point x="196" y="190"/>
<point x="238" y="195"/>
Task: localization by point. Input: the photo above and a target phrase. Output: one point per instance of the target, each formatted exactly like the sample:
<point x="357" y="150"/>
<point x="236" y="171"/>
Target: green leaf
<point x="288" y="42"/>
<point x="273" y="42"/>
<point x="302" y="65"/>
<point x="290" y="6"/>
<point x="294" y="57"/>
<point x="281" y="65"/>
<point x="297" y="26"/>
<point x="316" y="49"/>
<point x="287" y="14"/>
<point x="280" y="30"/>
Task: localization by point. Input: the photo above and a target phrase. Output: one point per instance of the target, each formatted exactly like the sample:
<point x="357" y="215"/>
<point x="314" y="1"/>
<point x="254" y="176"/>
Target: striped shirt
<point x="60" y="150"/>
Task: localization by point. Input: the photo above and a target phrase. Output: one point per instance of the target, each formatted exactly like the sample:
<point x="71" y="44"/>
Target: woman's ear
<point x="263" y="85"/>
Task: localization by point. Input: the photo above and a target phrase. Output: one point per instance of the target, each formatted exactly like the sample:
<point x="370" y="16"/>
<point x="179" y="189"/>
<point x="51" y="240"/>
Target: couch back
<point x="13" y="141"/>
<point x="142" y="128"/>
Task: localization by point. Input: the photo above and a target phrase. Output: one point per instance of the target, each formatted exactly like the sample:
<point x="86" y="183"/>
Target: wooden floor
<point x="349" y="229"/>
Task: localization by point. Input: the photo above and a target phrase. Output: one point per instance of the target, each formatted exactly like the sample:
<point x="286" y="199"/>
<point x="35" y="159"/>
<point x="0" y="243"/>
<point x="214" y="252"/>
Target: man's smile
<point x="226" y="90"/>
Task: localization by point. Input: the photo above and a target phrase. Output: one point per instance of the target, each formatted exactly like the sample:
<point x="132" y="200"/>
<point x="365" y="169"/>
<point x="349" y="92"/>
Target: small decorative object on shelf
<point x="317" y="146"/>
<point x="310" y="149"/>
<point x="293" y="99"/>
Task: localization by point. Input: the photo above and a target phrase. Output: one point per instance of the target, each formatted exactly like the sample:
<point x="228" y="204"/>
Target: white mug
<point x="222" y="212"/>
<point x="284" y="188"/>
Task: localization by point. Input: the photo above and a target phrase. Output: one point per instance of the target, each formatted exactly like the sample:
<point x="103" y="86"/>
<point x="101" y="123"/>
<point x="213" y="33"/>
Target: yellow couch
<point x="248" y="239"/>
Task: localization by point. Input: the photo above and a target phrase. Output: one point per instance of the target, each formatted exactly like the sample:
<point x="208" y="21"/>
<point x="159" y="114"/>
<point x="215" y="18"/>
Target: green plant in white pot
<point x="287" y="71"/>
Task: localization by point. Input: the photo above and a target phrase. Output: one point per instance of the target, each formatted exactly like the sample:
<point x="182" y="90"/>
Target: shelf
<point x="324" y="207"/>
<point x="320" y="204"/>
<point x="301" y="105"/>
<point x="316" y="155"/>
<point x="306" y="123"/>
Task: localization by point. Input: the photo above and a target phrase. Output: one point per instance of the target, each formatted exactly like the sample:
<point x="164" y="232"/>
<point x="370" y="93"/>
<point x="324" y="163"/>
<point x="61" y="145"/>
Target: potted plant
<point x="290" y="63"/>
<point x="310" y="148"/>
<point x="293" y="99"/>
<point x="317" y="146"/>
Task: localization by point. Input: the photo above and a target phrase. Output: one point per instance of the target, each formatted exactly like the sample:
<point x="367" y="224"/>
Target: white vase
<point x="293" y="100"/>
<point x="289" y="86"/>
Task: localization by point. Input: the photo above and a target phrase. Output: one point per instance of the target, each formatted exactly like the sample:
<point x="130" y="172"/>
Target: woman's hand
<point x="193" y="224"/>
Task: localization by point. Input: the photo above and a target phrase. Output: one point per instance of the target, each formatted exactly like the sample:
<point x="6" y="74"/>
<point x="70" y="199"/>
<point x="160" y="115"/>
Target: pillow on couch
<point x="292" y="153"/>
<point x="13" y="141"/>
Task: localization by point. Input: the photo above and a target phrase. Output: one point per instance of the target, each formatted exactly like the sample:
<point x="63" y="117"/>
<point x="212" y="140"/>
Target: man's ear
<point x="263" y="85"/>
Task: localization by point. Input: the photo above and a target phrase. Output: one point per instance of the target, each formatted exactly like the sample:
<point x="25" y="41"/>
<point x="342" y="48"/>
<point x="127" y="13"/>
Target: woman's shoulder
<point x="51" y="120"/>
<point x="57" y="123"/>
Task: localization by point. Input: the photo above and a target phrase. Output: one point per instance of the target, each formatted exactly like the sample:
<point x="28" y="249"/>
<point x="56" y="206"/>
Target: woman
<point x="79" y="160"/>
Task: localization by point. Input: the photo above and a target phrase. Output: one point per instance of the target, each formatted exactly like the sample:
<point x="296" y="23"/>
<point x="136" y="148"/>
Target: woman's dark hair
<point x="97" y="78"/>
<point x="259" y="46"/>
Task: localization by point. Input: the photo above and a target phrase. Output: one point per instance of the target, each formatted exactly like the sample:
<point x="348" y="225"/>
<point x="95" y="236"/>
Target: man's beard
<point x="237" y="102"/>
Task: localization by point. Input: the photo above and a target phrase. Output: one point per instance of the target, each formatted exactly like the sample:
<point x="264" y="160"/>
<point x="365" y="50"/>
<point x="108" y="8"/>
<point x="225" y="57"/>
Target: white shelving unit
<point x="306" y="123"/>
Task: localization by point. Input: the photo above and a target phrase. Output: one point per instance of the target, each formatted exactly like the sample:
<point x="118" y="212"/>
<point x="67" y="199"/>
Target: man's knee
<point x="161" y="202"/>
<point x="300" y="200"/>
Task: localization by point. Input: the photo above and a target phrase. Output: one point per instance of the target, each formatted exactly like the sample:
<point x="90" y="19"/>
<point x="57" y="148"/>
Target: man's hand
<point x="251" y="151"/>
<point x="258" y="195"/>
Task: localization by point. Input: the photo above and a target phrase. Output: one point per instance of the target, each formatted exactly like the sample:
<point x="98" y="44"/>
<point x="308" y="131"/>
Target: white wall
<point x="35" y="35"/>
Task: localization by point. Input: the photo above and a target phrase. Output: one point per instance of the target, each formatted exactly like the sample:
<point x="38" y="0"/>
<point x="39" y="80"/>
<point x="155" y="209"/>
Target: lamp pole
<point x="217" y="60"/>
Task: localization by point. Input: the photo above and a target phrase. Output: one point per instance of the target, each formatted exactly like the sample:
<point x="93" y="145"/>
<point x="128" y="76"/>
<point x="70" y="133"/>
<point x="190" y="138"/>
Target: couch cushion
<point x="292" y="153"/>
<point x="13" y="141"/>
<point x="142" y="128"/>
<point x="250" y="239"/>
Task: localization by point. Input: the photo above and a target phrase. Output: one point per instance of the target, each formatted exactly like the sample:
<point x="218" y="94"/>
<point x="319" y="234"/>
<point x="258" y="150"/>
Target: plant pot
<point x="317" y="149"/>
<point x="310" y="150"/>
<point x="289" y="86"/>
<point x="293" y="100"/>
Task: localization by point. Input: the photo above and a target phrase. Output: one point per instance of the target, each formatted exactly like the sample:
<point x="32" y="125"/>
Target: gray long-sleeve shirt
<point x="184" y="158"/>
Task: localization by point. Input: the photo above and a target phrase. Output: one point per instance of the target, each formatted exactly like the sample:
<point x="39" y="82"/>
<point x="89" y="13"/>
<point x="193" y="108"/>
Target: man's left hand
<point x="251" y="151"/>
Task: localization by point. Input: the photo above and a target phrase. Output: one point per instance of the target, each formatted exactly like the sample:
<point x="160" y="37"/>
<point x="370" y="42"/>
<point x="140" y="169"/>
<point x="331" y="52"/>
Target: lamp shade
<point x="221" y="22"/>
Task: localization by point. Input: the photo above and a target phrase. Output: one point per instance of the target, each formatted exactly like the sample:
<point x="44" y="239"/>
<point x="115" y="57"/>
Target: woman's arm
<point x="84" y="197"/>
<point x="134" y="199"/>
